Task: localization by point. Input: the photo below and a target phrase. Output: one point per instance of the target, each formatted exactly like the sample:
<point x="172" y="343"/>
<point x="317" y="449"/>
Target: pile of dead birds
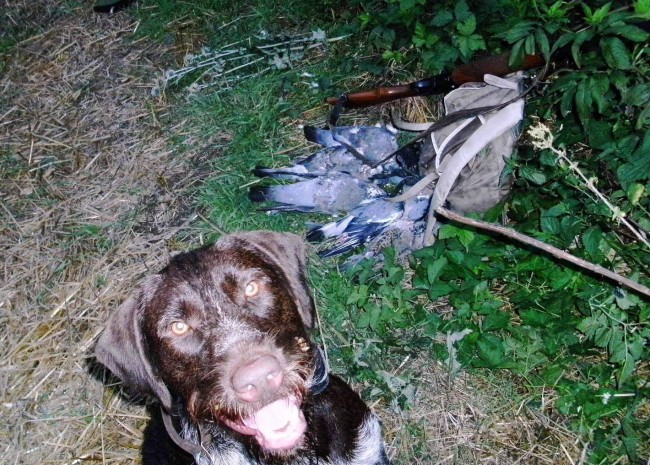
<point x="347" y="177"/>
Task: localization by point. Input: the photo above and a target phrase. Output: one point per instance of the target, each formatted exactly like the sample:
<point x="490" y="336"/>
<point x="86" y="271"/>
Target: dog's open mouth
<point x="278" y="426"/>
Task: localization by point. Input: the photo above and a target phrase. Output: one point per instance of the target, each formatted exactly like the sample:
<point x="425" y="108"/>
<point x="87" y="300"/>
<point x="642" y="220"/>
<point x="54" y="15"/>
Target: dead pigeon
<point x="330" y="194"/>
<point x="347" y="149"/>
<point x="369" y="221"/>
<point x="368" y="143"/>
<point x="404" y="237"/>
<point x="335" y="159"/>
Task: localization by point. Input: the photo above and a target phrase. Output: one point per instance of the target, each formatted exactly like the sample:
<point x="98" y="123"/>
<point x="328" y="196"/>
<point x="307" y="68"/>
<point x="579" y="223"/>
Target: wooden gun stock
<point x="496" y="65"/>
<point x="469" y="72"/>
<point x="375" y="96"/>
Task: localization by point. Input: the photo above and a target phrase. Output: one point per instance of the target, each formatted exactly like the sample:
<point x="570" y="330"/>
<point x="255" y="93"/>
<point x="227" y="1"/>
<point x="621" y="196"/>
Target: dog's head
<point x="223" y="329"/>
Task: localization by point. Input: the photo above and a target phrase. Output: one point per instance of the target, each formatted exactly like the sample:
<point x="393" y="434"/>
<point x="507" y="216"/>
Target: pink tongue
<point x="279" y="425"/>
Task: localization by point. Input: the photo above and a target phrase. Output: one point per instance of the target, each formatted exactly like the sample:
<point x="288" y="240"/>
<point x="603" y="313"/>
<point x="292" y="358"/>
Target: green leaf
<point x="533" y="175"/>
<point x="495" y="321"/>
<point x="599" y="133"/>
<point x="557" y="210"/>
<point x="617" y="348"/>
<point x="630" y="440"/>
<point x="580" y="38"/>
<point x="627" y="146"/>
<point x="635" y="192"/>
<point x="592" y="325"/>
<point x="490" y="349"/>
<point x="442" y="55"/>
<point x="373" y="317"/>
<point x="556" y="11"/>
<point x="542" y="43"/>
<point x="518" y="32"/>
<point x="456" y="256"/>
<point x="390" y="55"/>
<point x="603" y="335"/>
<point x="642" y="8"/>
<point x="583" y="101"/>
<point x="592" y="239"/>
<point x="628" y="368"/>
<point x="442" y="18"/>
<point x="365" y="19"/>
<point x="516" y="58"/>
<point x="630" y="32"/>
<point x="599" y="84"/>
<point x="638" y="95"/>
<point x="535" y="318"/>
<point x="639" y="168"/>
<point x="645" y="224"/>
<point x="465" y="236"/>
<point x="461" y="11"/>
<point x="469" y="44"/>
<point x="636" y="344"/>
<point x="529" y="45"/>
<point x="550" y="224"/>
<point x="382" y="37"/>
<point x="467" y="27"/>
<point x="405" y="5"/>
<point x="434" y="269"/>
<point x="439" y="289"/>
<point x="615" y="53"/>
<point x="643" y="119"/>
<point x="423" y="37"/>
<point x="563" y="41"/>
<point x="364" y="320"/>
<point x="597" y="16"/>
<point x="566" y="103"/>
<point x="624" y="302"/>
<point x="359" y="296"/>
<point x="431" y="63"/>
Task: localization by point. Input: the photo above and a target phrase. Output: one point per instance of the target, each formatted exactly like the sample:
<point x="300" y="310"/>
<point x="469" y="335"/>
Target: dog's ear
<point x="287" y="252"/>
<point x="120" y="346"/>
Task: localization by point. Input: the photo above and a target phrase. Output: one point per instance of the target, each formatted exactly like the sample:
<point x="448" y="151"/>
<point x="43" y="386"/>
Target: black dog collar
<point x="195" y="450"/>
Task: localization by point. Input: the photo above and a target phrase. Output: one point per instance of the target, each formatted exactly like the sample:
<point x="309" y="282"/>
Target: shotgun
<point x="443" y="83"/>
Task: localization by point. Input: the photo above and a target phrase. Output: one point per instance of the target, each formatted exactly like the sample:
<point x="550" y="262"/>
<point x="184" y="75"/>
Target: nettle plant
<point x="556" y="326"/>
<point x="433" y="35"/>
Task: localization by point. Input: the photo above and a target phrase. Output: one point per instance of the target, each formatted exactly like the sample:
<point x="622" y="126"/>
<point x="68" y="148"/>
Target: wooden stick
<point x="554" y="251"/>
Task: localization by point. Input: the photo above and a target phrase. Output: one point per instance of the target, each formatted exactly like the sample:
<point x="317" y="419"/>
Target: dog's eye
<point x="251" y="289"/>
<point x="179" y="328"/>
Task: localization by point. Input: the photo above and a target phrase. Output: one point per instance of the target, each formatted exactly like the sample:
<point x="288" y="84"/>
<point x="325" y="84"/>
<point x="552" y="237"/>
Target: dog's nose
<point x="255" y="379"/>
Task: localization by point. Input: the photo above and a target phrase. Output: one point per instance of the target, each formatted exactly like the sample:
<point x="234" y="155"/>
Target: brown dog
<point x="220" y="338"/>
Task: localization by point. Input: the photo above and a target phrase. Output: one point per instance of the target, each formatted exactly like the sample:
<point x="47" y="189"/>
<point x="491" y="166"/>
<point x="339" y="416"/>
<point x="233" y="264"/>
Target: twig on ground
<point x="554" y="251"/>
